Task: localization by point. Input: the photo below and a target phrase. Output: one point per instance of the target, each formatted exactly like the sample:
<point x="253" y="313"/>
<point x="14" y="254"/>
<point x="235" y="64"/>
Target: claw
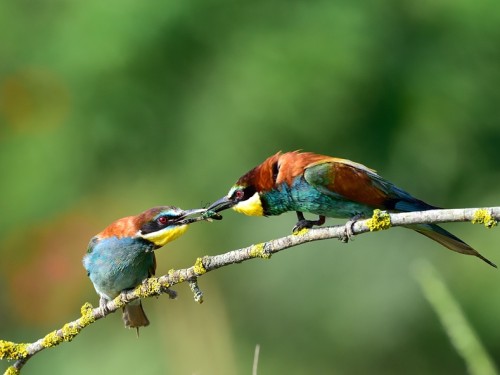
<point x="302" y="224"/>
<point x="103" y="305"/>
<point x="306" y="224"/>
<point x="348" y="232"/>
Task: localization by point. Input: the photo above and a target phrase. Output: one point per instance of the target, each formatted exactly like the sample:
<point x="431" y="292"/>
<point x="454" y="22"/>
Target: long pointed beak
<point x="193" y="212"/>
<point x="222" y="204"/>
<point x="184" y="220"/>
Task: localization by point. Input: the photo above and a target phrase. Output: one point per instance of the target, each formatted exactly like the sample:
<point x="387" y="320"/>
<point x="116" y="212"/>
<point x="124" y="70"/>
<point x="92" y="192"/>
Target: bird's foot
<point x="303" y="224"/>
<point x="348" y="232"/>
<point x="103" y="305"/>
<point x="306" y="224"/>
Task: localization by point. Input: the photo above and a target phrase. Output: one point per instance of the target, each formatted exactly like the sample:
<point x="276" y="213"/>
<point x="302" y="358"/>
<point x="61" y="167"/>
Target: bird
<point x="122" y="255"/>
<point x="328" y="187"/>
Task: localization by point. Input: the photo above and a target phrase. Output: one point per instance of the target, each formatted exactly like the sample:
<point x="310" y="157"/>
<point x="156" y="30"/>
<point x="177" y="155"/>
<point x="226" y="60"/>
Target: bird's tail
<point x="134" y="316"/>
<point x="448" y="240"/>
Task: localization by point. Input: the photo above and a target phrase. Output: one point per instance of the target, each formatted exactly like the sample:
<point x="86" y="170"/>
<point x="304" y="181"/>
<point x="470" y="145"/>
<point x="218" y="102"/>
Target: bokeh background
<point x="109" y="108"/>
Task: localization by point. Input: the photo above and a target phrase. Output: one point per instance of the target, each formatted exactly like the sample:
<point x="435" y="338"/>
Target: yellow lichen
<point x="69" y="331"/>
<point x="51" y="339"/>
<point x="483" y="216"/>
<point x="199" y="268"/>
<point x="150" y="287"/>
<point x="12" y="350"/>
<point x="258" y="251"/>
<point x="380" y="220"/>
<point x="87" y="315"/>
<point x="138" y="292"/>
<point x="301" y="232"/>
<point x="11" y="371"/>
<point x="175" y="277"/>
<point x="171" y="277"/>
<point x="119" y="303"/>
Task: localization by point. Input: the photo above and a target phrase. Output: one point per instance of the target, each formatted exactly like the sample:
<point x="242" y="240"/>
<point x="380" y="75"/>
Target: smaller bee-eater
<point x="122" y="255"/>
<point x="328" y="187"/>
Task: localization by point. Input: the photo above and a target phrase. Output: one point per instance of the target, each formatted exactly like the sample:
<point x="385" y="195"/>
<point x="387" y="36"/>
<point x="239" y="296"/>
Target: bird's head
<point x="158" y="225"/>
<point x="245" y="195"/>
<point x="241" y="198"/>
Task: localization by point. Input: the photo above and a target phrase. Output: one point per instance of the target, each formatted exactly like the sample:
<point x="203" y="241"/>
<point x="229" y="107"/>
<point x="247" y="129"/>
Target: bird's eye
<point x="162" y="220"/>
<point x="239" y="194"/>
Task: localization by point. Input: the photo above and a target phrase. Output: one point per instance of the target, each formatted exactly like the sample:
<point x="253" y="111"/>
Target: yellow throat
<point x="166" y="235"/>
<point x="251" y="207"/>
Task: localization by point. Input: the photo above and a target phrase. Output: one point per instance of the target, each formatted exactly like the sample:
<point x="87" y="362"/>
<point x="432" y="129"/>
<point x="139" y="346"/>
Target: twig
<point x="160" y="285"/>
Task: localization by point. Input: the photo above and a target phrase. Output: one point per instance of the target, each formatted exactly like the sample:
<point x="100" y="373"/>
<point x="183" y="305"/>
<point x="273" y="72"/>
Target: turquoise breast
<point x="303" y="197"/>
<point x="115" y="264"/>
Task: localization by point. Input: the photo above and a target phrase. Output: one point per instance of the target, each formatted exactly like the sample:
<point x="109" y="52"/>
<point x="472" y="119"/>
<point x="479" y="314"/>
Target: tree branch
<point x="155" y="286"/>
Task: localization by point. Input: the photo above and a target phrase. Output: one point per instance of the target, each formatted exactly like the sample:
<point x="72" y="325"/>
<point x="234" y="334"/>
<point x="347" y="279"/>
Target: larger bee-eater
<point x="328" y="187"/>
<point x="122" y="255"/>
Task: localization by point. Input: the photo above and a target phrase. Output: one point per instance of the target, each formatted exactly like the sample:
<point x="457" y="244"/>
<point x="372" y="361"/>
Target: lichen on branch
<point x="22" y="352"/>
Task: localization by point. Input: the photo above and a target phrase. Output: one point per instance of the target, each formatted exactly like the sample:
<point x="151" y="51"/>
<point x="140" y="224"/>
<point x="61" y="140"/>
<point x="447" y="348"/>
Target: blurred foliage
<point x="109" y="108"/>
<point x="459" y="330"/>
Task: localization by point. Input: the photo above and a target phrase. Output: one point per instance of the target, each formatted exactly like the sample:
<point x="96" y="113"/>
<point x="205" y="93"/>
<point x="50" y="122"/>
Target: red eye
<point x="162" y="220"/>
<point x="239" y="194"/>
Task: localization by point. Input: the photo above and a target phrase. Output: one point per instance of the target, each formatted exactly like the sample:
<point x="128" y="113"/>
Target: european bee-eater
<point x="329" y="187"/>
<point x="121" y="256"/>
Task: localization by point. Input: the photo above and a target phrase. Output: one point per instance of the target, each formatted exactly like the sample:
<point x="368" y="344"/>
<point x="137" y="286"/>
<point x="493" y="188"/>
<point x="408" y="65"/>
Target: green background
<point x="109" y="108"/>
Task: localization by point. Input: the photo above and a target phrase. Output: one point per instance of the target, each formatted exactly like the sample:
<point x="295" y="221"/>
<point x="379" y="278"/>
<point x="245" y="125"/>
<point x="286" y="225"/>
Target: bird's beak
<point x="184" y="219"/>
<point x="208" y="214"/>
<point x="222" y="204"/>
<point x="192" y="212"/>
